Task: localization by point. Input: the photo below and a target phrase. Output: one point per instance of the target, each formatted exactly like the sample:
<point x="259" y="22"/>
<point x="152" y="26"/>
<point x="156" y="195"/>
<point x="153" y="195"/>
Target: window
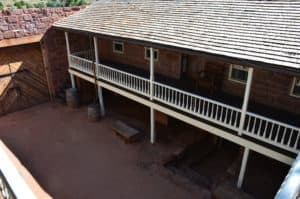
<point x="296" y="87"/>
<point x="238" y="73"/>
<point x="118" y="47"/>
<point x="147" y="54"/>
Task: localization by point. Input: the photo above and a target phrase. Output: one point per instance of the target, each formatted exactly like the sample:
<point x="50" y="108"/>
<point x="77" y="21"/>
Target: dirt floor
<point x="73" y="158"/>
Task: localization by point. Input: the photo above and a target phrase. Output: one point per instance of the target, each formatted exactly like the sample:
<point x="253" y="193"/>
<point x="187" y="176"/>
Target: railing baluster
<point x="191" y="104"/>
<point x="230" y="117"/>
<point x="265" y="130"/>
<point x="226" y="114"/>
<point x="253" y="126"/>
<point x="297" y="140"/>
<point x="277" y="133"/>
<point x="195" y="105"/>
<point x="283" y="136"/>
<point x="271" y="131"/>
<point x="259" y="128"/>
<point x="236" y="119"/>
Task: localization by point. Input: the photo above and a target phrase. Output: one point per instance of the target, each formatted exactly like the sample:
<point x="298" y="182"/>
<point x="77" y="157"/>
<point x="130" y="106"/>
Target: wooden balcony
<point x="257" y="127"/>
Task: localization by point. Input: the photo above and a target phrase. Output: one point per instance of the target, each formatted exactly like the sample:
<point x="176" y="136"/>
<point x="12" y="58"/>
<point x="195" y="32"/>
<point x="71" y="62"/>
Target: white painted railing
<point x="196" y="105"/>
<point x="261" y="128"/>
<point x="5" y="190"/>
<point x="123" y="79"/>
<point x="273" y="132"/>
<point x="14" y="186"/>
<point x="81" y="64"/>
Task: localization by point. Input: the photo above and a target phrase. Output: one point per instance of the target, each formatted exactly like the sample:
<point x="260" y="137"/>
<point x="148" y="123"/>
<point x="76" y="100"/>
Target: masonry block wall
<point x="269" y="88"/>
<point x="55" y="57"/>
<point x="169" y="62"/>
<point x="18" y="23"/>
<point x="28" y="86"/>
<point x="23" y="68"/>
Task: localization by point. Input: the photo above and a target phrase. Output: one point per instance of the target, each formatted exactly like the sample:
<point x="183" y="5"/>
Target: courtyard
<point x="73" y="158"/>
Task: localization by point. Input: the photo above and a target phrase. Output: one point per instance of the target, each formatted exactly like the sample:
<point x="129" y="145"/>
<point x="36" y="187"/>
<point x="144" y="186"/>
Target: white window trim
<point x="117" y="51"/>
<point x="145" y="53"/>
<point x="244" y="68"/>
<point x="293" y="87"/>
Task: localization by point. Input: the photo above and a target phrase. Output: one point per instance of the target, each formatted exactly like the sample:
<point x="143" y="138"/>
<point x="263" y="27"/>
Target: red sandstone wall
<point x="33" y="21"/>
<point x="169" y="62"/>
<point x="268" y="88"/>
<point x="55" y="57"/>
<point x="23" y="89"/>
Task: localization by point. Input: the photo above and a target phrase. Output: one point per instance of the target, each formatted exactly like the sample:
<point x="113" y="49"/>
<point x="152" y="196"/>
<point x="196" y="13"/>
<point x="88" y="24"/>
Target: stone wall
<point x="168" y="63"/>
<point x="33" y="21"/>
<point x="27" y="86"/>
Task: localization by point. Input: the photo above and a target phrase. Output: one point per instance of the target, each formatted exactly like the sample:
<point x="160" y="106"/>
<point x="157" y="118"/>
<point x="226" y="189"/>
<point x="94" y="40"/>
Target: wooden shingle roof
<point x="263" y="31"/>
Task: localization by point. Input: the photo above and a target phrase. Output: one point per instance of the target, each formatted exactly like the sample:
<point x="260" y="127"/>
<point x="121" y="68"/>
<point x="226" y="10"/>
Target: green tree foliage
<point x="1" y="6"/>
<point x="39" y="5"/>
<point x="20" y="4"/>
<point x="23" y="4"/>
<point x="65" y="3"/>
<point x="28" y="5"/>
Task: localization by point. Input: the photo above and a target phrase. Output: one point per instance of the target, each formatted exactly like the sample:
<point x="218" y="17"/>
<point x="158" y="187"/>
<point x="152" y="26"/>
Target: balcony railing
<point x="256" y="126"/>
<point x="12" y="183"/>
<point x="123" y="79"/>
<point x="5" y="190"/>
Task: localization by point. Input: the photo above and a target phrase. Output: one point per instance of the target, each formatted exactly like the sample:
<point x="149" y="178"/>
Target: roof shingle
<point x="264" y="31"/>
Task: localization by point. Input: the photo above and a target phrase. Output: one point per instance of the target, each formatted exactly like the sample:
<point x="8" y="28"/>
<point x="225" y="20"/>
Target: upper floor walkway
<point x="269" y="132"/>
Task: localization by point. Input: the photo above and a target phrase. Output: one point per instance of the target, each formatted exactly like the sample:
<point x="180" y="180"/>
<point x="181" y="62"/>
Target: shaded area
<point x="73" y="158"/>
<point x="22" y="78"/>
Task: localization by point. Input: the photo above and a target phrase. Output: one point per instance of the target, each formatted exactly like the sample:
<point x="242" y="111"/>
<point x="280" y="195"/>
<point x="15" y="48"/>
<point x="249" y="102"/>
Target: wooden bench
<point x="127" y="133"/>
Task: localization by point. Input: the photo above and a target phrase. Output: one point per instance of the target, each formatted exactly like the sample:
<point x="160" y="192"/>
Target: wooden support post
<point x="243" y="167"/>
<point x="246" y="100"/>
<point x="151" y="72"/>
<point x="100" y="95"/>
<point x="152" y="114"/>
<point x="152" y="127"/>
<point x="68" y="55"/>
<point x="73" y="81"/>
<point x="101" y="101"/>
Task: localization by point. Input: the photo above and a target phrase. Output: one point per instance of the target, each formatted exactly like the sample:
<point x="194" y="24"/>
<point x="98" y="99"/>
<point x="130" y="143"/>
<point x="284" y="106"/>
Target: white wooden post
<point x="68" y="55"/>
<point x="246" y="100"/>
<point x="243" y="167"/>
<point x="100" y="95"/>
<point x="151" y="72"/>
<point x="152" y="128"/>
<point x="152" y="114"/>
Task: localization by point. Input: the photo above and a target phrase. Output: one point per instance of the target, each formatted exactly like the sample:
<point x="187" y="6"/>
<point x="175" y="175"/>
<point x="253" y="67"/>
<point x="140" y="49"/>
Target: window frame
<point x="293" y="87"/>
<point x="154" y="49"/>
<point x="239" y="67"/>
<point x="118" y="43"/>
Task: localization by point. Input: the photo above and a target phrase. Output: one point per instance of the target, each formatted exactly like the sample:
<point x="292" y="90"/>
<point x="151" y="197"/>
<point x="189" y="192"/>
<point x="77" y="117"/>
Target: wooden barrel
<point x="72" y="97"/>
<point x="94" y="112"/>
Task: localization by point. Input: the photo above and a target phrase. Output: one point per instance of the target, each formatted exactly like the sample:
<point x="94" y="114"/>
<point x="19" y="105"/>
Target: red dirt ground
<point x="75" y="159"/>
